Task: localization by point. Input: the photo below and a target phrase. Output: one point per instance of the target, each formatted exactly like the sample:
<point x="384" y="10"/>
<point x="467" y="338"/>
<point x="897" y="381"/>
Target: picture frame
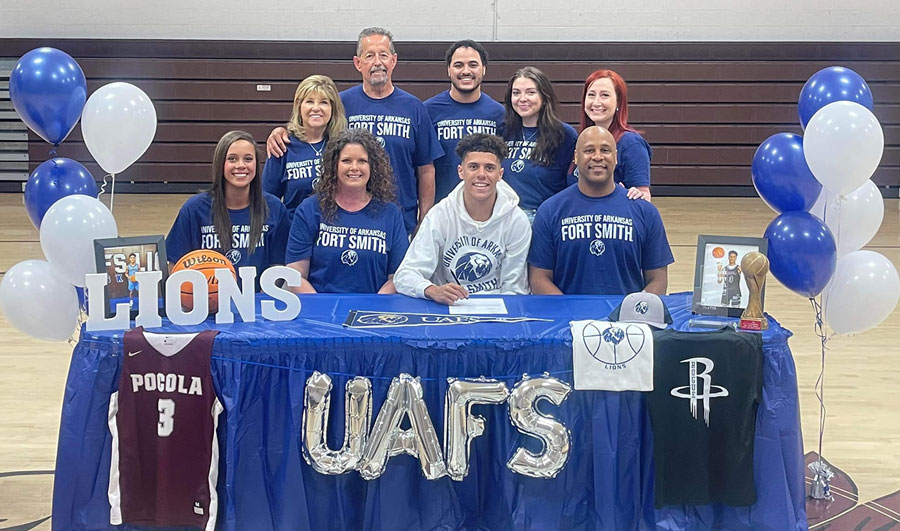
<point x="113" y="257"/>
<point x="720" y="288"/>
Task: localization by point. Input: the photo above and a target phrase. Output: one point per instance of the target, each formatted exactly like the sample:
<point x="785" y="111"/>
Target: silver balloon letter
<point x="387" y="439"/>
<point x="357" y="415"/>
<point x="529" y="420"/>
<point x="460" y="426"/>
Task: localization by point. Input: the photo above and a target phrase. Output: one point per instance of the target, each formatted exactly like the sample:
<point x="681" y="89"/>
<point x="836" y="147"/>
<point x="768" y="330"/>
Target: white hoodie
<point x="482" y="256"/>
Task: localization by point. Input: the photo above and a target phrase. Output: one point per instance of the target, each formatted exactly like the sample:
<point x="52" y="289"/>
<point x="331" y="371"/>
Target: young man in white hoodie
<point x="476" y="239"/>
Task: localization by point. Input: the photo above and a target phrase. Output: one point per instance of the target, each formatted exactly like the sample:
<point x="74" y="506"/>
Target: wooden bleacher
<point x="704" y="107"/>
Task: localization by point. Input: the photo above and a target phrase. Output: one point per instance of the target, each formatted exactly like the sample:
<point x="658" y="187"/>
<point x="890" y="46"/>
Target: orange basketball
<point x="718" y="252"/>
<point x="206" y="262"/>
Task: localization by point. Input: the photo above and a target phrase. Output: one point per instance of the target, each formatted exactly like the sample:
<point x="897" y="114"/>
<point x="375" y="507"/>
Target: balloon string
<point x="112" y="193"/>
<point x="53" y="150"/>
<point x="820" y="382"/>
<point x="102" y="186"/>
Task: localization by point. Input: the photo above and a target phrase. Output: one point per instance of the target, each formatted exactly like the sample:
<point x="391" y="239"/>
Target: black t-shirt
<point x="703" y="446"/>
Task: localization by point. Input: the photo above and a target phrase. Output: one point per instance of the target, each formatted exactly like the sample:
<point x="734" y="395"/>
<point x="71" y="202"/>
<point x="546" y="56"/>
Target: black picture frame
<point x="112" y="257"/>
<point x="714" y="290"/>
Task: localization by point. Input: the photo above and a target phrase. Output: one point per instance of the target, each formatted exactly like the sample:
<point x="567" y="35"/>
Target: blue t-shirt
<point x="355" y="252"/>
<point x="403" y="127"/>
<point x="633" y="155"/>
<point x="532" y="181"/>
<point x="293" y="175"/>
<point x="193" y="229"/>
<point x="453" y="120"/>
<point x="598" y="245"/>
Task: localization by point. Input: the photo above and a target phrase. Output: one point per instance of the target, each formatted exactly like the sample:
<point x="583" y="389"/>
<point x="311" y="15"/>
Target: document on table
<point x="479" y="306"/>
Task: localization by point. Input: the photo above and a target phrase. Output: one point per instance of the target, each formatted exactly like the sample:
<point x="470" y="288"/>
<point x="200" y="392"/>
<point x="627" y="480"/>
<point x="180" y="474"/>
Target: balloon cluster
<point x="828" y="207"/>
<point x="49" y="92"/>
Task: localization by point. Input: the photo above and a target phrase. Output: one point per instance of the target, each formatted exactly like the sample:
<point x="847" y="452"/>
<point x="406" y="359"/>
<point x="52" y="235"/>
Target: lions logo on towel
<point x="472" y="266"/>
<point x="612" y="356"/>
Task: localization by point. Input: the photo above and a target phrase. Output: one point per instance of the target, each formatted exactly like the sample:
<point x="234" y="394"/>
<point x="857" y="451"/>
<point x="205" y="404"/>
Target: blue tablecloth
<point x="260" y="370"/>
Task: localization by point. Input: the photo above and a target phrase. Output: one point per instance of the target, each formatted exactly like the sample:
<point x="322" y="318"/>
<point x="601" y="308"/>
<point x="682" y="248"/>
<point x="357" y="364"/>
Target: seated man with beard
<point x="476" y="239"/>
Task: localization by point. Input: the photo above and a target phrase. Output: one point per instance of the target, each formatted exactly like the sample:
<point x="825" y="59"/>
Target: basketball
<point x="755" y="264"/>
<point x="206" y="262"/>
<point x="718" y="252"/>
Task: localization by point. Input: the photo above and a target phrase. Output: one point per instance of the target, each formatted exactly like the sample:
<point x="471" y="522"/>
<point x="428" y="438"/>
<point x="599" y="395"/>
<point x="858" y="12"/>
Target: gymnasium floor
<point x="862" y="433"/>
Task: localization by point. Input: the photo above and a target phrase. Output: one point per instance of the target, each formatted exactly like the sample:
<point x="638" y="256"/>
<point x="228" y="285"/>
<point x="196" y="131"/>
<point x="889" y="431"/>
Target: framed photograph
<point x="121" y="259"/>
<point x="720" y="287"/>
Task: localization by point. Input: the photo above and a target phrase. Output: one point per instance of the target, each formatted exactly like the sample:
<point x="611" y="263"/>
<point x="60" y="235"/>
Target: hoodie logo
<point x="472" y="266"/>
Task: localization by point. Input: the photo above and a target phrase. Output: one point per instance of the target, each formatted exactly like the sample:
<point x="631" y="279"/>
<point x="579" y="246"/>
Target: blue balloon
<point x="781" y="176"/>
<point x="829" y="85"/>
<point x="802" y="252"/>
<point x="53" y="180"/>
<point x="48" y="90"/>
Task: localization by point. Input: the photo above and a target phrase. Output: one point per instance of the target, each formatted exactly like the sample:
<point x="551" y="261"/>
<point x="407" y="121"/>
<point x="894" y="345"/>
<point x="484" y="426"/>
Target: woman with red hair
<point x="604" y="103"/>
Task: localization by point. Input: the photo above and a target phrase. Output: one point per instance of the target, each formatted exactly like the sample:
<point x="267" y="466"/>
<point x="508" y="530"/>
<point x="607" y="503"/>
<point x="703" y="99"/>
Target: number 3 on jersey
<point x="166" y="424"/>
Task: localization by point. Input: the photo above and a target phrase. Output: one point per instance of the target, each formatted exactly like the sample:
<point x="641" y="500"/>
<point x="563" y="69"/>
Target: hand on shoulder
<point x="276" y="144"/>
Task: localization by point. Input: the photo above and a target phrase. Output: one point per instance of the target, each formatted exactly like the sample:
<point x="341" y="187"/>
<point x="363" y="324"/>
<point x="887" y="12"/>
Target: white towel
<point x="612" y="356"/>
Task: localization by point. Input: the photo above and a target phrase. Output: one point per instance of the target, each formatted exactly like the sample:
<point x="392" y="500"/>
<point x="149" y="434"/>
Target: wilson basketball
<point x="206" y="262"/>
<point x="718" y="252"/>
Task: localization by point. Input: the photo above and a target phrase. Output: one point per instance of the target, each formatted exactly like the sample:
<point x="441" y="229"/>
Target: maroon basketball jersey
<point x="163" y="422"/>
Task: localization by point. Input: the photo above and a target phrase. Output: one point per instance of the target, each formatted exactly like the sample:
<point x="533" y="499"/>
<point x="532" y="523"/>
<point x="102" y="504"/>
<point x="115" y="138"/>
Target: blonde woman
<point x="317" y="115"/>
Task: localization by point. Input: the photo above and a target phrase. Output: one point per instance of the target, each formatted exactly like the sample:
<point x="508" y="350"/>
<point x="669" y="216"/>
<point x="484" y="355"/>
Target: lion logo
<point x="349" y="257"/>
<point x="472" y="266"/>
<point x="234" y="255"/>
<point x="598" y="247"/>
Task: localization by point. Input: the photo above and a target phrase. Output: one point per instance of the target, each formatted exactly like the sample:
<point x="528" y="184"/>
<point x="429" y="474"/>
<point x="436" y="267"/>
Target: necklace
<point x="318" y="151"/>
<point x="531" y="136"/>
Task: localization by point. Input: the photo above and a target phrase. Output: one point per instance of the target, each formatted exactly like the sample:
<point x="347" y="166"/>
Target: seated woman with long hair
<point x="317" y="115"/>
<point x="541" y="146"/>
<point x="349" y="237"/>
<point x="235" y="217"/>
<point x="604" y="103"/>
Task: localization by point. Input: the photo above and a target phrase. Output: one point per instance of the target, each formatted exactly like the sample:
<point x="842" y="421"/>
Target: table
<point x="260" y="370"/>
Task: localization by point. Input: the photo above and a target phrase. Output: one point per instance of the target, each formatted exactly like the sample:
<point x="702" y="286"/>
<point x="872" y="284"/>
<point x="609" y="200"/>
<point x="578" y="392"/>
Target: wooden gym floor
<point x="862" y="432"/>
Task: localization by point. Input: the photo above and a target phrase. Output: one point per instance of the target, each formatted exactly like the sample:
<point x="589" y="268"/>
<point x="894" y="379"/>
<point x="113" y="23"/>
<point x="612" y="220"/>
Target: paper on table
<point x="477" y="305"/>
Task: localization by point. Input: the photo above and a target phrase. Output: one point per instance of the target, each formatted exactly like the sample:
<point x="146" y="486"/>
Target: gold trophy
<point x="755" y="267"/>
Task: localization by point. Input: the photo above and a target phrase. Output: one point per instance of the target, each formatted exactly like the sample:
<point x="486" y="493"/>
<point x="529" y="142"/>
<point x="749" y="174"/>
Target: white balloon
<point x="118" y="124"/>
<point x="38" y="302"/>
<point x="862" y="293"/>
<point x="843" y="144"/>
<point x="854" y="219"/>
<point x="68" y="232"/>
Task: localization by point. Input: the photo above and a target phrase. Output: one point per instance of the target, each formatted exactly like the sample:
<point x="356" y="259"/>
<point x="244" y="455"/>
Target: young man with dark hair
<point x="133" y="269"/>
<point x="591" y="238"/>
<point x="474" y="241"/>
<point x="462" y="110"/>
<point x="730" y="278"/>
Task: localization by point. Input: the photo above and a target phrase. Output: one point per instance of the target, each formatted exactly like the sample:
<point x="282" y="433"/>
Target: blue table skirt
<point x="260" y="370"/>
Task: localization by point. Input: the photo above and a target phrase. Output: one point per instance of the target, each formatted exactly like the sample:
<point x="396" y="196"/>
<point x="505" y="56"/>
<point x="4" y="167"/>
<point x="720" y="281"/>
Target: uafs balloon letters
<point x="368" y="451"/>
